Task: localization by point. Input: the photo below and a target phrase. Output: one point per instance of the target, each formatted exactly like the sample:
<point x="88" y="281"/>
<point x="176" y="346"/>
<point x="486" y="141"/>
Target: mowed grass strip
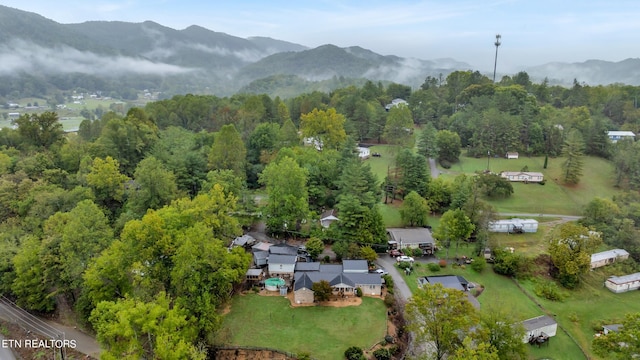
<point x="322" y="331"/>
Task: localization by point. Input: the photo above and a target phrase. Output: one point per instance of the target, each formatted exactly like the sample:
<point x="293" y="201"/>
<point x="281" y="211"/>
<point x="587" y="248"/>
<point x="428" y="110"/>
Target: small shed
<point x="620" y="284"/>
<point x="512" y="155"/>
<point x="260" y="258"/>
<point x="541" y="325"/>
<point x="514" y="226"/>
<point x="254" y="275"/>
<point x="608" y="257"/>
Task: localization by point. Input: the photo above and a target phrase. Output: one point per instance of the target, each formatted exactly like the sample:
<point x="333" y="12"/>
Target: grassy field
<point x="552" y="198"/>
<point x="501" y="291"/>
<point x="589" y="306"/>
<point x="324" y="332"/>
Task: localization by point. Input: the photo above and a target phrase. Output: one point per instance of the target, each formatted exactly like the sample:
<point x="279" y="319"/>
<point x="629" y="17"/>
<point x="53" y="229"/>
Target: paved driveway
<point x="401" y="287"/>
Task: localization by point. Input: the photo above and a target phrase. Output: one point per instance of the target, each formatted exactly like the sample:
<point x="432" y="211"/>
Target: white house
<point x="615" y="136"/>
<point x="541" y="325"/>
<point x="396" y="102"/>
<point x="523" y="176"/>
<point x="282" y="265"/>
<point x="514" y="226"/>
<point x="512" y="155"/>
<point x="608" y="257"/>
<point x="363" y="152"/>
<point x="619" y="284"/>
<point x="327" y="218"/>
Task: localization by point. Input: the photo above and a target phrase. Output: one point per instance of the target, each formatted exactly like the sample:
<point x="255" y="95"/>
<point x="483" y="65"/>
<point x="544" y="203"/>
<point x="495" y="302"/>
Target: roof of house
<point x="516" y="173"/>
<point x="365" y="279"/>
<point x="330" y="268"/>
<point x="283" y="249"/>
<point x="282" y="259"/>
<point x="244" y="240"/>
<point x="448" y="281"/>
<point x="618" y="280"/>
<point x="261" y="246"/>
<point x="259" y="255"/>
<point x="612" y="327"/>
<point x="308" y="266"/>
<point x="349" y="266"/>
<point x="411" y="235"/>
<point x="614" y="253"/>
<point x="329" y="214"/>
<point x="514" y="221"/>
<point x="538" y="322"/>
<point x="621" y="133"/>
<point x="303" y="281"/>
<point x="254" y="272"/>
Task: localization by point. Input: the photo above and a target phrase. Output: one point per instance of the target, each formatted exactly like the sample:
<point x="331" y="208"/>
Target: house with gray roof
<point x="539" y="326"/>
<point x="620" y="284"/>
<point x="412" y="238"/>
<point x="608" y="257"/>
<point x="450" y="282"/>
<point x="343" y="283"/>
<point x="307" y="266"/>
<point x="282" y="266"/>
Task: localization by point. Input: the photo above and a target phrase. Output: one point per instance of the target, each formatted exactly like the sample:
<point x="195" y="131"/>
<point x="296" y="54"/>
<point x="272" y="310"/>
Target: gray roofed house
<point x="282" y="265"/>
<point x="611" y="328"/>
<point x="451" y="282"/>
<point x="244" y="240"/>
<point x="355" y="266"/>
<point x="343" y="283"/>
<point x="541" y="325"/>
<point x="608" y="257"/>
<point x="283" y="249"/>
<point x="619" y="284"/>
<point x="413" y="238"/>
<point x="260" y="258"/>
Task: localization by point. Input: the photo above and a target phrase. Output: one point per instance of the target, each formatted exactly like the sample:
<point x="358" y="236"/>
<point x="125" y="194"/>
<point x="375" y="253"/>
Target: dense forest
<point x="127" y="222"/>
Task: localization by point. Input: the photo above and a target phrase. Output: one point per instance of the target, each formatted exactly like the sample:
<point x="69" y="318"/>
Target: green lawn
<point x="552" y="198"/>
<point x="324" y="332"/>
<point x="590" y="305"/>
<point x="503" y="292"/>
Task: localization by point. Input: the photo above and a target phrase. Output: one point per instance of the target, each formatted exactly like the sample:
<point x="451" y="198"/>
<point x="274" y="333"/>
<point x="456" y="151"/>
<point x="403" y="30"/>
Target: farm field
<point x="323" y="332"/>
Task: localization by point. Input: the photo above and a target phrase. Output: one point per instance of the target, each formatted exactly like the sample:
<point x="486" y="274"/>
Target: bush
<point x="442" y="263"/>
<point x="548" y="290"/>
<point x="416" y="252"/>
<point x="445" y="164"/>
<point x="389" y="300"/>
<point x="433" y="267"/>
<point x="358" y="292"/>
<point x="388" y="281"/>
<point x="382" y="354"/>
<point x="479" y="264"/>
<point x="354" y="353"/>
<point x="327" y="259"/>
<point x="510" y="264"/>
<point x="404" y="265"/>
<point x="303" y="356"/>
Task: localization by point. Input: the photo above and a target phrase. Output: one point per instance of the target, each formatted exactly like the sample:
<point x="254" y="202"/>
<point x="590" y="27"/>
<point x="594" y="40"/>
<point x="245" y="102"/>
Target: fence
<point x="11" y="312"/>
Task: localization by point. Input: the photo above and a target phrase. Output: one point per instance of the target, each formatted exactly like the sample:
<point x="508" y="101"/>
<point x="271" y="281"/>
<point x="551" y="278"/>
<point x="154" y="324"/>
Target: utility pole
<point x="488" y="157"/>
<point x="495" y="63"/>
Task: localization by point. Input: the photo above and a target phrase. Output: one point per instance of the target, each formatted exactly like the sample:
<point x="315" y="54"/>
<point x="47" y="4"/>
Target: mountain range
<point x="53" y="56"/>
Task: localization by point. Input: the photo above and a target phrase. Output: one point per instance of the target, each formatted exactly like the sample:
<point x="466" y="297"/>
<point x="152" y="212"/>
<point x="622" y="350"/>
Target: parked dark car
<point x="395" y="253"/>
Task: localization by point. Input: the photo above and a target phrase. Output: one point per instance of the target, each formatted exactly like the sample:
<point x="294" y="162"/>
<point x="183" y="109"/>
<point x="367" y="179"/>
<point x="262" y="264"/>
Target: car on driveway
<point x="404" y="258"/>
<point x="380" y="271"/>
<point x="395" y="253"/>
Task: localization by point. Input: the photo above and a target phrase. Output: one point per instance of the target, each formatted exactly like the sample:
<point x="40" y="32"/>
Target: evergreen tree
<point x="572" y="151"/>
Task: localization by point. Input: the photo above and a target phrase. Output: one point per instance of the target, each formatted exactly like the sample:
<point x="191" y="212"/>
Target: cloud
<point x="19" y="55"/>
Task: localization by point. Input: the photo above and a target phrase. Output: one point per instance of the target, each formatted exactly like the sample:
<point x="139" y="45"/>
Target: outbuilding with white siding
<point x="541" y="325"/>
<point x="514" y="226"/>
<point x="608" y="257"/>
<point x="620" y="284"/>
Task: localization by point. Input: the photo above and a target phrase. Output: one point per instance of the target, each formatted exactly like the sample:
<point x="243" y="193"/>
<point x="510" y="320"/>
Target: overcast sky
<point x="533" y="32"/>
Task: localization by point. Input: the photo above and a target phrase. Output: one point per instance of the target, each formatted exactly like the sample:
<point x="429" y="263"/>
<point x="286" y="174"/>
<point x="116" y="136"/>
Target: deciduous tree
<point x="439" y="318"/>
<point x="454" y="226"/>
<point x="621" y="344"/>
<point x="414" y="210"/>
<point x="570" y="247"/>
<point x="325" y="127"/>
<point x="228" y="151"/>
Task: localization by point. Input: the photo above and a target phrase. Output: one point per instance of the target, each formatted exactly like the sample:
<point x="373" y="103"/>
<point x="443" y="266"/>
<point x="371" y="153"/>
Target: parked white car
<point x="380" y="271"/>
<point x="404" y="258"/>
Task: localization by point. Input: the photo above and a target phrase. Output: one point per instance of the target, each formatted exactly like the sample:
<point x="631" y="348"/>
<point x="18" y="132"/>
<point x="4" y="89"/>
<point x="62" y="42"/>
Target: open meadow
<point x="321" y="331"/>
